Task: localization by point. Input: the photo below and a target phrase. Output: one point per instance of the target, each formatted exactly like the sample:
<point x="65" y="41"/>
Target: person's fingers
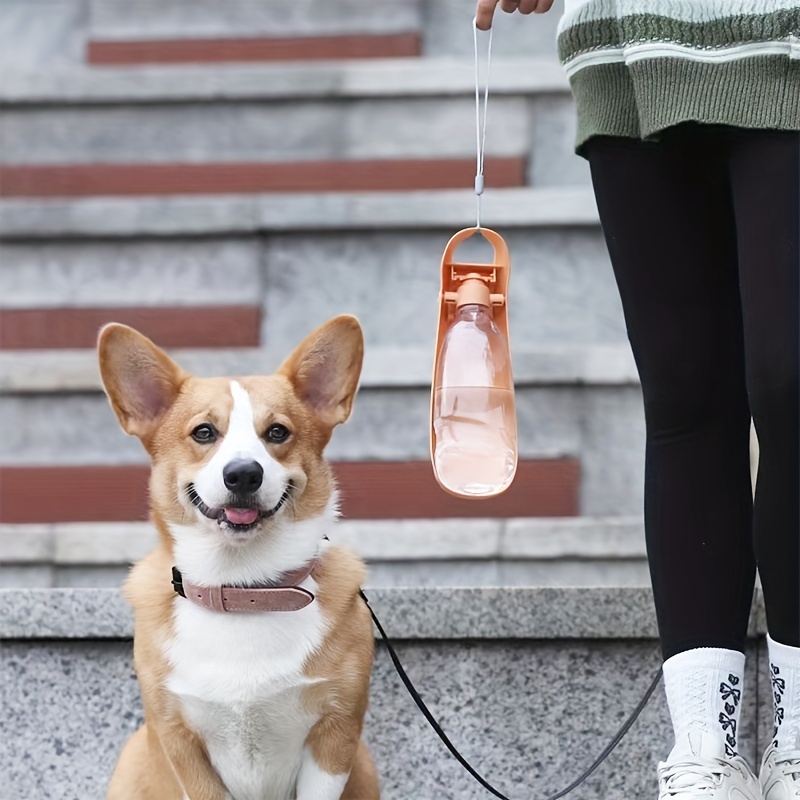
<point x="527" y="6"/>
<point x="510" y="6"/>
<point x="484" y="13"/>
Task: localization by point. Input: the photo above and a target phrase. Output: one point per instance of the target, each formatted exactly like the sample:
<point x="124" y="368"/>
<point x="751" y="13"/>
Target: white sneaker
<point x="780" y="774"/>
<point x="705" y="772"/>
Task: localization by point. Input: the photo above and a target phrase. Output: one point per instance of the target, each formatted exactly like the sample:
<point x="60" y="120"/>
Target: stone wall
<point x="530" y="684"/>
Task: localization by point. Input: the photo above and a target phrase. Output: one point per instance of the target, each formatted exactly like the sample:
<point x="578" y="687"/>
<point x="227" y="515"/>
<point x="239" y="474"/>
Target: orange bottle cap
<point x="473" y="291"/>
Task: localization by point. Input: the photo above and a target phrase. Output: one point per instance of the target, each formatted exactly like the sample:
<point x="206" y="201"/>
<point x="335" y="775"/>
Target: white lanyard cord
<point x="480" y="129"/>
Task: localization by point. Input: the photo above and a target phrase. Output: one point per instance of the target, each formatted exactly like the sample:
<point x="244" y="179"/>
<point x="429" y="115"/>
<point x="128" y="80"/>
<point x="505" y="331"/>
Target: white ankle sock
<point x="784" y="663"/>
<point x="704" y="694"/>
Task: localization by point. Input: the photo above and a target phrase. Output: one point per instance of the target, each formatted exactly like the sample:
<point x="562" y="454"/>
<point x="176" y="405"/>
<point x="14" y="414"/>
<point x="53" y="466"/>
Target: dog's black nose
<point x="243" y="476"/>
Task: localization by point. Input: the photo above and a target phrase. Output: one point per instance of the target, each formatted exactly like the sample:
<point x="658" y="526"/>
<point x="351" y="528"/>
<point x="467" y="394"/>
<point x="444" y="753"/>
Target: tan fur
<point x="165" y="760"/>
<point x="164" y="746"/>
<point x="345" y="660"/>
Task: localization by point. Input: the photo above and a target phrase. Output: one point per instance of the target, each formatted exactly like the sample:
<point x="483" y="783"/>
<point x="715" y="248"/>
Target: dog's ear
<point x="325" y="367"/>
<point x="140" y="379"/>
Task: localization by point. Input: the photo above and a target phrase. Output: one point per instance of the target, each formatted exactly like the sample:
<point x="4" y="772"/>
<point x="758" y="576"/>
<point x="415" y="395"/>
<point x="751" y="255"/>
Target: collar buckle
<point x="177" y="582"/>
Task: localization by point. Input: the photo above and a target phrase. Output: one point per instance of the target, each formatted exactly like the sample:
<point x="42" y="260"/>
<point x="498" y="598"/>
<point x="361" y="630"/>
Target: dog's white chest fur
<point x="239" y="678"/>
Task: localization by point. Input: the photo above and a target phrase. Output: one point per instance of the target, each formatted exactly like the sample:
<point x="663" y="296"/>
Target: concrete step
<point x="578" y="551"/>
<point x="297" y="262"/>
<point x="438" y="76"/>
<point x="530" y="684"/>
<point x="579" y="409"/>
<point x="47" y="372"/>
<point x="306" y="258"/>
<point x="204" y="129"/>
<point x="558" y="207"/>
<point x="76" y="31"/>
<point x="443" y="26"/>
<point x="120" y="21"/>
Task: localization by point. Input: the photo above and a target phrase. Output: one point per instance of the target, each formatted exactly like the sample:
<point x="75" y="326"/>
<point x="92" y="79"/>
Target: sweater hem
<point x="640" y="100"/>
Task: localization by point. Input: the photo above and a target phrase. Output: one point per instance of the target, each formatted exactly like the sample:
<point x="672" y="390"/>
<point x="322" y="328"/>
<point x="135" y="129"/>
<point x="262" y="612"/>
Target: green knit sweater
<point x="637" y="67"/>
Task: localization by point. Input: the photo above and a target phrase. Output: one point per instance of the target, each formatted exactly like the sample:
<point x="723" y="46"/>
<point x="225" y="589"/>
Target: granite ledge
<point x="406" y="613"/>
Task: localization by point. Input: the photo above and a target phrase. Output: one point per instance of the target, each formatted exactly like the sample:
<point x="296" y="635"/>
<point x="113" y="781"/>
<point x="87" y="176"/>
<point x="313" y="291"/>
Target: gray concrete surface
<point x="530" y="684"/>
<point x="567" y="551"/>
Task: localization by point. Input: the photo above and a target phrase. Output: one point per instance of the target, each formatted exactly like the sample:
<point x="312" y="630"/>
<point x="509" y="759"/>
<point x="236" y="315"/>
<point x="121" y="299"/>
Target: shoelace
<point x="789" y="763"/>
<point x="691" y="777"/>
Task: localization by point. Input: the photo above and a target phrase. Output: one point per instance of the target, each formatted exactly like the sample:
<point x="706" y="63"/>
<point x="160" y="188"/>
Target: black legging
<point x="702" y="226"/>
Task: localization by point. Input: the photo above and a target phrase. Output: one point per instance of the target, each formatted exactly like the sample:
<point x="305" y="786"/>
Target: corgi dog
<point x="252" y="646"/>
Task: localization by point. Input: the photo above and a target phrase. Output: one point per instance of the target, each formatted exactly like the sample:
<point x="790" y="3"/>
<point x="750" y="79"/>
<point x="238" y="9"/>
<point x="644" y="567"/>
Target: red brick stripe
<point x="204" y="51"/>
<point x="369" y="490"/>
<point x="408" y="490"/>
<point x="181" y="326"/>
<point x="86" y="180"/>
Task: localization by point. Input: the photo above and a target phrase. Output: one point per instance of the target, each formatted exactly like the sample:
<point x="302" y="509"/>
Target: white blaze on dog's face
<point x="235" y="455"/>
<point x="240" y="453"/>
<point x="244" y="482"/>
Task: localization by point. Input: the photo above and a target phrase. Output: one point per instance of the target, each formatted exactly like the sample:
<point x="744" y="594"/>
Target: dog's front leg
<point x="190" y="764"/>
<point x="315" y="782"/>
<point x="200" y="782"/>
<point x="328" y="758"/>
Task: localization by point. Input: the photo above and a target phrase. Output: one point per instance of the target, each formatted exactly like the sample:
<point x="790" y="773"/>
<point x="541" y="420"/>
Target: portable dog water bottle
<point x="473" y="417"/>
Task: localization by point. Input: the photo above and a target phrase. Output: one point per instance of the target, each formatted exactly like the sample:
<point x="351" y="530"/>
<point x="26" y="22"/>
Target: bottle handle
<point x="501" y="255"/>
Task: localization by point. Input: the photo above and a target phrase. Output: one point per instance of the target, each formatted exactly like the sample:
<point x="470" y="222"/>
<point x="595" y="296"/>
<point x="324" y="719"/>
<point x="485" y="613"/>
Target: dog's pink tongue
<point x="241" y="516"/>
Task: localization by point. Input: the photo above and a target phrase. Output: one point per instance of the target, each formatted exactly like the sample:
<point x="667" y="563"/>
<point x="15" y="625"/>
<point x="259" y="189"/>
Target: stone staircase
<point x="226" y="180"/>
<point x="225" y="208"/>
<point x="226" y="176"/>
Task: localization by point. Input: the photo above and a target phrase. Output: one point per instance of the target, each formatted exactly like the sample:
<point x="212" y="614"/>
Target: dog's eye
<point x="204" y="434"/>
<point x="277" y="433"/>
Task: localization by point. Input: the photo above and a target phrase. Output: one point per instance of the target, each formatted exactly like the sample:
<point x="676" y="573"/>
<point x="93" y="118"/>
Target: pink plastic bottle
<point x="473" y="418"/>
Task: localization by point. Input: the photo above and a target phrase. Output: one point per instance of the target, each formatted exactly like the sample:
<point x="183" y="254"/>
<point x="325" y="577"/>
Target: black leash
<point x="464" y="763"/>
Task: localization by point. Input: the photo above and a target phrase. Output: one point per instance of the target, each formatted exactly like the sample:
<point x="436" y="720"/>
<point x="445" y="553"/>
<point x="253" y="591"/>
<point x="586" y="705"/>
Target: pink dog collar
<point x="285" y="595"/>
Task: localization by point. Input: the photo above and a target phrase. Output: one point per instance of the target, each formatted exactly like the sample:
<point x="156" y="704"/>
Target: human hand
<point x="484" y="11"/>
